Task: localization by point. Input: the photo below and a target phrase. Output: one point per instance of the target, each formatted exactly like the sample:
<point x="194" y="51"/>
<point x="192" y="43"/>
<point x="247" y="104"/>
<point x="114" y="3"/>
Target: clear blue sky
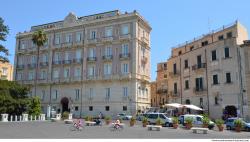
<point x="173" y="22"/>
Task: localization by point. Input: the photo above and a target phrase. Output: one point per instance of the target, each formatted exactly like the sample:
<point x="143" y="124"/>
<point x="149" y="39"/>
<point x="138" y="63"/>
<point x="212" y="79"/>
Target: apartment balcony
<point x="125" y="37"/>
<point x="107" y="57"/>
<point x="91" y="77"/>
<point x="174" y="74"/>
<point x="32" y="66"/>
<point x="199" y="91"/>
<point x="162" y="91"/>
<point x="145" y="40"/>
<point x="55" y="80"/>
<point x="66" y="62"/>
<point x="92" y="41"/>
<point x="29" y="81"/>
<point x="124" y="56"/>
<point x="144" y="60"/>
<point x="77" y="43"/>
<point x="20" y="66"/>
<point x="66" y="45"/>
<point x="56" y="62"/>
<point x="199" y="67"/>
<point x="76" y="78"/>
<point x="91" y="59"/>
<point x="42" y="81"/>
<point x="66" y="79"/>
<point x="107" y="77"/>
<point x="107" y="39"/>
<point x="77" y="61"/>
<point x="174" y="94"/>
<point x="44" y="64"/>
<point x="125" y="76"/>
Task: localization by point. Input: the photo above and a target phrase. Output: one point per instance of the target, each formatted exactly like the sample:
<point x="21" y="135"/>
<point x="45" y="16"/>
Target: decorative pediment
<point x="70" y="19"/>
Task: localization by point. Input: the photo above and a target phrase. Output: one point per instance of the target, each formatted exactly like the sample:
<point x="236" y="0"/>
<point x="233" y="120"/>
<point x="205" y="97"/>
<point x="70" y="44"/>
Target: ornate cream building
<point x="209" y="72"/>
<point x="6" y="71"/>
<point x="90" y="64"/>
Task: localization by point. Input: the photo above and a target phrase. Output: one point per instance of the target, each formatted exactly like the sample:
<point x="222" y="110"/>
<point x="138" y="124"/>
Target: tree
<point x="35" y="106"/>
<point x="4" y="30"/>
<point x="39" y="38"/>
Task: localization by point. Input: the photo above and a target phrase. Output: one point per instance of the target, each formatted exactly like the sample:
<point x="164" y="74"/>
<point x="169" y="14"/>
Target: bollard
<point x="15" y="117"/>
<point x="35" y="118"/>
<point x="31" y="119"/>
<point x="11" y="118"/>
<point x="20" y="118"/>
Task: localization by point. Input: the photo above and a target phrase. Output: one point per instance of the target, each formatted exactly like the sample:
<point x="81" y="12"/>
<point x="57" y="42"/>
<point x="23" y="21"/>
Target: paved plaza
<point x="50" y="130"/>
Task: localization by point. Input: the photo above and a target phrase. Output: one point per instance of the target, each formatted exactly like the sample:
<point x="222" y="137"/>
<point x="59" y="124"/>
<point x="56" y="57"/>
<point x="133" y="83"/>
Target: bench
<point x="196" y="129"/>
<point x="68" y="121"/>
<point x="90" y="123"/>
<point x="157" y="127"/>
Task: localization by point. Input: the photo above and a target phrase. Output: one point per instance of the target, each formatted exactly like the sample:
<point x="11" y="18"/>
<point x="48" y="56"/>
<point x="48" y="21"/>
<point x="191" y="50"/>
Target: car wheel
<point x="167" y="124"/>
<point x="229" y="128"/>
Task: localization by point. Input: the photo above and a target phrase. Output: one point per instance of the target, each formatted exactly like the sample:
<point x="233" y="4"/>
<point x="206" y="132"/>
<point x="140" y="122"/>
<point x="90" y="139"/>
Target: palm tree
<point x="39" y="38"/>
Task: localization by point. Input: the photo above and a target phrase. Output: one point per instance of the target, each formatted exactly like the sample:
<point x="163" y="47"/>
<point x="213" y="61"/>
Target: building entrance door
<point x="65" y="104"/>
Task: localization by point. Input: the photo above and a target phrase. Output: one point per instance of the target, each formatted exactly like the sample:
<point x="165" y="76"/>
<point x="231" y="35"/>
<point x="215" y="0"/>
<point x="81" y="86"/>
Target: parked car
<point x="230" y="124"/>
<point x="124" y="116"/>
<point x="152" y="117"/>
<point x="197" y="120"/>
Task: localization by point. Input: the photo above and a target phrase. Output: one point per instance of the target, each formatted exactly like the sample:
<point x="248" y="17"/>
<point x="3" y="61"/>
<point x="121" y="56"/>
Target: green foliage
<point x="159" y="121"/>
<point x="4" y="31"/>
<point x="13" y="98"/>
<point x="39" y="38"/>
<point x="219" y="122"/>
<point x="144" y="120"/>
<point x="65" y="115"/>
<point x="175" y="120"/>
<point x="189" y="120"/>
<point x="205" y="120"/>
<point x="238" y="123"/>
<point x="88" y="118"/>
<point x="35" y="106"/>
<point x="107" y="118"/>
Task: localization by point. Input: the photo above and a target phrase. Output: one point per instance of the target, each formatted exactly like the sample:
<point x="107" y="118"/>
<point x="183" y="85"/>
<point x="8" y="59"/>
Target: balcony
<point x="92" y="41"/>
<point x="32" y="66"/>
<point x="44" y="64"/>
<point x="174" y="74"/>
<point x="124" y="56"/>
<point x="144" y="40"/>
<point x="174" y="94"/>
<point x="91" y="77"/>
<point x="199" y="91"/>
<point x="77" y="61"/>
<point x="199" y="67"/>
<point x="42" y="81"/>
<point x="66" y="79"/>
<point x="77" y="78"/>
<point x="29" y="81"/>
<point x="125" y="37"/>
<point x="66" y="45"/>
<point x="107" y="57"/>
<point x="125" y="76"/>
<point x="162" y="91"/>
<point x="107" y="39"/>
<point x="55" y="80"/>
<point x="144" y="60"/>
<point x="107" y="77"/>
<point x="91" y="59"/>
<point x="56" y="62"/>
<point x="66" y="62"/>
<point x="20" y="66"/>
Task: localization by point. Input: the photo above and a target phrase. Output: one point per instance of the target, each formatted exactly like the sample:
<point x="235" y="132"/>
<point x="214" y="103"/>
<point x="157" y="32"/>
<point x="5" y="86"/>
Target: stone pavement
<point x="50" y="130"/>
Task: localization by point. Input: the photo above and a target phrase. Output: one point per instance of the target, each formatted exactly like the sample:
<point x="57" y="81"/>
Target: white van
<point x="197" y="120"/>
<point x="154" y="115"/>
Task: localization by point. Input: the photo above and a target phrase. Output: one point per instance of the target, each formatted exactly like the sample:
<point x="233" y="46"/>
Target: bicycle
<point x="76" y="127"/>
<point x="116" y="127"/>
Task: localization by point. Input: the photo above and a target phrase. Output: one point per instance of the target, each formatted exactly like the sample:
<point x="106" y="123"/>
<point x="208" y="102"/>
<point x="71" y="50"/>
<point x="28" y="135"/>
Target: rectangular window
<point x="125" y="91"/>
<point x="186" y="84"/>
<point x="45" y="58"/>
<point x="204" y="43"/>
<point x="93" y="35"/>
<point x="125" y="29"/>
<point x="68" y="38"/>
<point x="199" y="61"/>
<point x="108" y="51"/>
<point x="228" y="78"/>
<point x="43" y="95"/>
<point x="78" y="36"/>
<point x="90" y="108"/>
<point x="33" y="59"/>
<point x="175" y="88"/>
<point x="125" y="49"/>
<point x="55" y="95"/>
<point x="221" y="37"/>
<point x="78" y="53"/>
<point x="31" y="75"/>
<point x="124" y="68"/>
<point x="229" y="35"/>
<point x="199" y="84"/>
<point x="57" y="39"/>
<point x="66" y="57"/>
<point x="91" y="52"/>
<point x="107" y="69"/>
<point x="108" y="31"/>
<point x="91" y="70"/>
<point x="43" y="74"/>
<point x="201" y="102"/>
<point x="4" y="71"/>
<point x="107" y="90"/>
<point x="77" y="91"/>
<point x="226" y="50"/>
<point x="55" y="74"/>
<point x="215" y="79"/>
<point x="107" y="108"/>
<point x="174" y="68"/>
<point x="91" y="93"/>
<point x="76" y="108"/>
<point x="66" y="72"/>
<point x="57" y="56"/>
<point x="77" y="72"/>
<point x="124" y="108"/>
<point x="186" y="64"/>
<point x="214" y="55"/>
